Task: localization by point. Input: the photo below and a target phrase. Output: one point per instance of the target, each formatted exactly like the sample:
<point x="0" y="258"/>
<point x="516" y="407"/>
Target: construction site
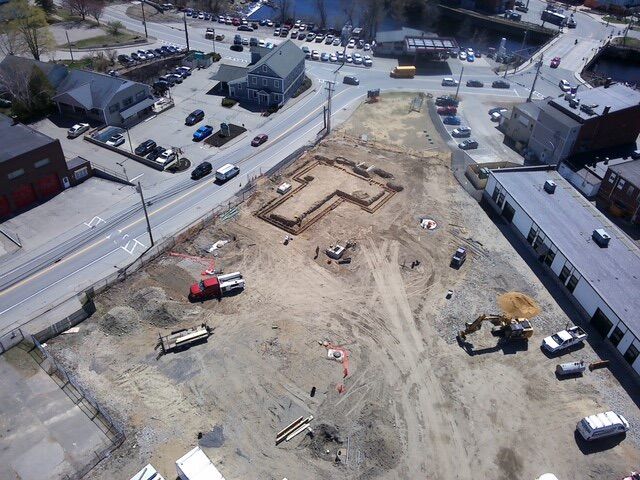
<point x="326" y="332"/>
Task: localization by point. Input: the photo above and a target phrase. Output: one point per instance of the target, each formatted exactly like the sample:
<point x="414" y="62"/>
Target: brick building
<point x="619" y="191"/>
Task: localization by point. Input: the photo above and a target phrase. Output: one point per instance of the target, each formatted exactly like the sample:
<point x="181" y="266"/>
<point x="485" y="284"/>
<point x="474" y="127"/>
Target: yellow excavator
<point x="508" y="328"/>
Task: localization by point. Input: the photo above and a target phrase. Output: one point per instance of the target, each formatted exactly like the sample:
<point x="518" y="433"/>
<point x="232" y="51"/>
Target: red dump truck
<point x="216" y="287"/>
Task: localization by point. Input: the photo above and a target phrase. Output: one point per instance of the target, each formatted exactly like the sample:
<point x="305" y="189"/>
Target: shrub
<point x="228" y="102"/>
<point x="306" y="84"/>
<point x="114" y="28"/>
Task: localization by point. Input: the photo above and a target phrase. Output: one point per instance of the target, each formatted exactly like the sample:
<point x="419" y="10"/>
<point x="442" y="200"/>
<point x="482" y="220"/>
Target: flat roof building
<point x="596" y="264"/>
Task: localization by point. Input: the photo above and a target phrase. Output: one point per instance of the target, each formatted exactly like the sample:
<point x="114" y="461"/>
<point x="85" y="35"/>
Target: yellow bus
<point x="404" y="72"/>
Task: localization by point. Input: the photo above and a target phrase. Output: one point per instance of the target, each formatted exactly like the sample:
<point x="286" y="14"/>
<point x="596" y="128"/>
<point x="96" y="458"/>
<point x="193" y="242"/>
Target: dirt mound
<point x="518" y="305"/>
<point x="155" y="308"/>
<point x="325" y="437"/>
<point x="120" y="320"/>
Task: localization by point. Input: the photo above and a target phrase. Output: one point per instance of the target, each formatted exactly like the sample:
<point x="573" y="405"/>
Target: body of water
<point x="618" y="69"/>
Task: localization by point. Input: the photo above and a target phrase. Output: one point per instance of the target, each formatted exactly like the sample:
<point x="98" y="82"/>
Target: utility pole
<point x="129" y="137"/>
<point x="146" y="215"/>
<point x="71" y="51"/>
<point x="328" y="114"/>
<point x="524" y="39"/>
<point x="533" y="85"/>
<point x="459" y="82"/>
<point x="144" y="20"/>
<point x="186" y="33"/>
<point x="213" y="40"/>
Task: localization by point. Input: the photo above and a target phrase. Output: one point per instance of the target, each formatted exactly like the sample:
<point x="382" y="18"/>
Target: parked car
<point x="324" y="56"/>
<point x="168" y="80"/>
<point x="310" y="37"/>
<point x="522" y="8"/>
<point x="351" y="80"/>
<point x="253" y="42"/>
<point x="452" y="120"/>
<point x="336" y="42"/>
<point x="176" y="78"/>
<point x="555" y="62"/>
<point x="499" y="110"/>
<point x="124" y="59"/>
<point x="150" y="54"/>
<point x="155" y="153"/>
<point x="204" y="169"/>
<point x="461" y="132"/>
<point x="202" y="133"/>
<point x="328" y="39"/>
<point x="468" y="144"/>
<point x="245" y="28"/>
<point x="571" y="23"/>
<point x="245" y="42"/>
<point x="320" y="38"/>
<point x="564" y="339"/>
<point x="145" y="147"/>
<point x="446" y="100"/>
<point x="194" y="117"/>
<point x="471" y="58"/>
<point x="500" y="84"/>
<point x="259" y="140"/>
<point x="602" y="425"/>
<point x="447" y="110"/>
<point x="367" y="47"/>
<point x="564" y="85"/>
<point x="136" y="57"/>
<point x="333" y="57"/>
<point x="236" y="48"/>
<point x="167" y="156"/>
<point x="115" y="140"/>
<point x="495" y="116"/>
<point x="302" y="35"/>
<point x="185" y="70"/>
<point x="315" y="55"/>
<point x="462" y="56"/>
<point x="449" y="82"/>
<point x="77" y="130"/>
<point x="367" y="62"/>
<point x="351" y="44"/>
<point x="475" y="83"/>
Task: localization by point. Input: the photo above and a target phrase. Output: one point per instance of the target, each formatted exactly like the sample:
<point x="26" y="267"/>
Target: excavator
<point x="508" y="328"/>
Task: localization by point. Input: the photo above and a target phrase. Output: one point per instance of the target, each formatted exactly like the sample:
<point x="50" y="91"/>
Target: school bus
<point x="404" y="72"/>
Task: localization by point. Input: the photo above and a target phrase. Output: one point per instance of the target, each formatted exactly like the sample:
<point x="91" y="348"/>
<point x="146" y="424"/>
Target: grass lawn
<point x="85" y="63"/>
<point x="107" y="40"/>
<point x="629" y="42"/>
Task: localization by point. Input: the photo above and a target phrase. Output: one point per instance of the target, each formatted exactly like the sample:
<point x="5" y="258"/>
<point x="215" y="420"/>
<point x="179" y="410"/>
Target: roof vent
<point x="606" y="110"/>
<point x="601" y="237"/>
<point x="550" y="187"/>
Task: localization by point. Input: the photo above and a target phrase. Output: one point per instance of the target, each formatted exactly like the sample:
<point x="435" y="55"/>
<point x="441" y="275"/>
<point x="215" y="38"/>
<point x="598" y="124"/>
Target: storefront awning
<point x="138" y="107"/>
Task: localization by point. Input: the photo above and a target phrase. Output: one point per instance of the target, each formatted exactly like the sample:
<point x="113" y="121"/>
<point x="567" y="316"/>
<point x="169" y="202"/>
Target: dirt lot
<point x="413" y="405"/>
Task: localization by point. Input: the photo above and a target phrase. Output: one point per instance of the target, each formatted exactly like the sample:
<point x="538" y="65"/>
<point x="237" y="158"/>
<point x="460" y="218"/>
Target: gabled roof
<point x="281" y="59"/>
<point x="629" y="170"/>
<point x="21" y="139"/>
<point x="227" y="73"/>
<point x="90" y="89"/>
<point x="54" y="72"/>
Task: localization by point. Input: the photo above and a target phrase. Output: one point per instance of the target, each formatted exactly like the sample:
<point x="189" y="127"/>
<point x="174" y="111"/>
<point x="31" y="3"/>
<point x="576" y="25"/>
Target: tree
<point x="31" y="25"/>
<point x="114" y="27"/>
<point x="10" y="39"/>
<point x="95" y="8"/>
<point x="46" y="5"/>
<point x="77" y="7"/>
<point x="284" y="6"/>
<point x="373" y="10"/>
<point x="29" y="89"/>
<point x="349" y="8"/>
<point x="214" y="6"/>
<point x="322" y="12"/>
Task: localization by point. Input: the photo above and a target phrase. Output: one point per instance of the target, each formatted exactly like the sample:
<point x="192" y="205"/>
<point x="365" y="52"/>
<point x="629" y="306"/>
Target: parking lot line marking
<point x="516" y="92"/>
<point x="135" y="178"/>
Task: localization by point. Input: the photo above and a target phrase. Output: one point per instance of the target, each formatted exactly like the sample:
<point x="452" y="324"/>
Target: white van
<point x="602" y="425"/>
<point x="227" y="172"/>
<point x="449" y="82"/>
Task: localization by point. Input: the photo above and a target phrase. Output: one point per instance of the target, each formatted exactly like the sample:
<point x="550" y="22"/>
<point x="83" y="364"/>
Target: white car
<point x="115" y="140"/>
<point x="449" y="82"/>
<point x="462" y="56"/>
<point x="348" y="58"/>
<point x="469" y="51"/>
<point x="564" y="85"/>
<point x="77" y="130"/>
<point x="315" y="55"/>
<point x="261" y="43"/>
<point x="329" y="39"/>
<point x="357" y="59"/>
<point x="201" y="16"/>
<point x="367" y="61"/>
<point x="167" y="156"/>
<point x="336" y="42"/>
<point x="269" y="23"/>
<point x="367" y="47"/>
<point x="340" y="56"/>
<point x="564" y="339"/>
<point x="351" y="44"/>
<point x="333" y="57"/>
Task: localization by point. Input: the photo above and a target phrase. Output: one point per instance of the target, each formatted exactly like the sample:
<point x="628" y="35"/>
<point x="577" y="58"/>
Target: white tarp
<point x="147" y="473"/>
<point x="195" y="465"/>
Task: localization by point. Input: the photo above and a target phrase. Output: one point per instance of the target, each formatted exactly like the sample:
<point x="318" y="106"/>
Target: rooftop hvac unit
<point x="601" y="237"/>
<point x="550" y="186"/>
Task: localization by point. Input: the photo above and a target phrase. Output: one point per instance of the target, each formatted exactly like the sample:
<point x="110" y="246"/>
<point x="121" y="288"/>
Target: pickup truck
<point x="564" y="339"/>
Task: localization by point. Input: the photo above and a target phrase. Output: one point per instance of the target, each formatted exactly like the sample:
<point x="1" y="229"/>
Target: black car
<point x="124" y="59"/>
<point x="446" y="101"/>
<point x="501" y="84"/>
<point x="155" y="153"/>
<point x="253" y="42"/>
<point x="237" y="48"/>
<point x="145" y="147"/>
<point x="245" y="28"/>
<point x="351" y="80"/>
<point x="201" y="170"/>
<point x="167" y="79"/>
<point x="194" y="117"/>
<point x="475" y="83"/>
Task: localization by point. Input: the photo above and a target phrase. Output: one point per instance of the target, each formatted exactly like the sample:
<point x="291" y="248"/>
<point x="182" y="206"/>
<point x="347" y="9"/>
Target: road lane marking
<point x="135" y="178"/>
<point x="94" y="222"/>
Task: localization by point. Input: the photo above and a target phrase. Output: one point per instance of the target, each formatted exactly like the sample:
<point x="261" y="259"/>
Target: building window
<point x="631" y="354"/>
<point x="81" y="173"/>
<point x="114" y="108"/>
<point x="264" y="82"/>
<point x="616" y="336"/>
<point x="494" y="196"/>
<point x="621" y="184"/>
<point x="15" y="174"/>
<point x="276" y="83"/>
<point x="254" y="80"/>
<point x="564" y="274"/>
<point x="264" y="68"/>
<point x="127" y="101"/>
<point x="612" y="177"/>
<point x="531" y="236"/>
<point x="548" y="260"/>
<point x="572" y="283"/>
<point x="500" y="199"/>
<point x="42" y="163"/>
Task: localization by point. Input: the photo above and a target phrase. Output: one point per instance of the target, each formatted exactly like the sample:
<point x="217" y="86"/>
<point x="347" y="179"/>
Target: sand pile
<point x="518" y="305"/>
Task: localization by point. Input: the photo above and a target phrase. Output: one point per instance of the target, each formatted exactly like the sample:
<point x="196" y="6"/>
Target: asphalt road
<point x="31" y="284"/>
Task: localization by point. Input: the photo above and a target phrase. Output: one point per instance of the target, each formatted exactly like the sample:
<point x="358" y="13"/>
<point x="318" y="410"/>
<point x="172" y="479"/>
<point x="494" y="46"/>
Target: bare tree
<point x="95" y="8"/>
<point x="77" y="7"/>
<point x="28" y="87"/>
<point x="349" y="8"/>
<point x="214" y="6"/>
<point x="31" y="24"/>
<point x="10" y="39"/>
<point x="322" y="12"/>
<point x="373" y="10"/>
<point x="284" y="6"/>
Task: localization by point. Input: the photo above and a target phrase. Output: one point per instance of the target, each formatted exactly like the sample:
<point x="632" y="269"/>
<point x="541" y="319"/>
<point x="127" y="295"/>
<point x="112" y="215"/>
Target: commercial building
<point x="33" y="168"/>
<point x="272" y="78"/>
<point x="619" y="192"/>
<point x="615" y="6"/>
<point x="412" y="42"/>
<point x="554" y="129"/>
<point x="595" y="264"/>
<point x="88" y="95"/>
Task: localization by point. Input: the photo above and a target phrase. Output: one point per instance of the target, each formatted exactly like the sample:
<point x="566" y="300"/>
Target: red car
<point x="447" y="110"/>
<point x="259" y="140"/>
<point x="555" y="62"/>
<point x="236" y="22"/>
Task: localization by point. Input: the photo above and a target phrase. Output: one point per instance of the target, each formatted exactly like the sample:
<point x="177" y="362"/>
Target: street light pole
<point x="186" y="33"/>
<point x="459" y="82"/>
<point x="533" y="85"/>
<point x="213" y="40"/>
<point x="330" y="92"/>
<point x="146" y="215"/>
<point x="69" y="43"/>
<point x="144" y="20"/>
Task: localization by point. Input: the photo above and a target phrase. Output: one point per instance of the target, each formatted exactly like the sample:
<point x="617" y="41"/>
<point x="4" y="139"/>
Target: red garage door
<point x="24" y="196"/>
<point x="5" y="208"/>
<point x="48" y="186"/>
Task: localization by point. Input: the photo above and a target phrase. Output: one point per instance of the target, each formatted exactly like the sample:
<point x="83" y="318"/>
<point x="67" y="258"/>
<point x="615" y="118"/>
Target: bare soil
<point x="414" y="404"/>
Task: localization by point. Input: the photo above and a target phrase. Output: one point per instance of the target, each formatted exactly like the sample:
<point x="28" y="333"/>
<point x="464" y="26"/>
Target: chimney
<point x="601" y="237"/>
<point x="550" y="187"/>
<point x="606" y="110"/>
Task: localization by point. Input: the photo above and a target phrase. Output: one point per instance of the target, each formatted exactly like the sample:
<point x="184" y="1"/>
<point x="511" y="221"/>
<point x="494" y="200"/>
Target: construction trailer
<point x="195" y="465"/>
<point x="183" y="338"/>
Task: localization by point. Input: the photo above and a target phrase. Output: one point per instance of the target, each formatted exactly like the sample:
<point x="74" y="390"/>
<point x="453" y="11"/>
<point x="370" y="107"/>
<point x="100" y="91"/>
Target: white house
<point x="601" y="276"/>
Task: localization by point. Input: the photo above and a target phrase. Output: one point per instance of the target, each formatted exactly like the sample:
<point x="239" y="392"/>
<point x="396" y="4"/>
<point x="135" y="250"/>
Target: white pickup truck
<point x="564" y="339"/>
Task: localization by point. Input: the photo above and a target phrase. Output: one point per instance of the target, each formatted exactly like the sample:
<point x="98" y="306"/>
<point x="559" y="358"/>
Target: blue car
<point x="470" y="57"/>
<point x="202" y="133"/>
<point x="451" y="120"/>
